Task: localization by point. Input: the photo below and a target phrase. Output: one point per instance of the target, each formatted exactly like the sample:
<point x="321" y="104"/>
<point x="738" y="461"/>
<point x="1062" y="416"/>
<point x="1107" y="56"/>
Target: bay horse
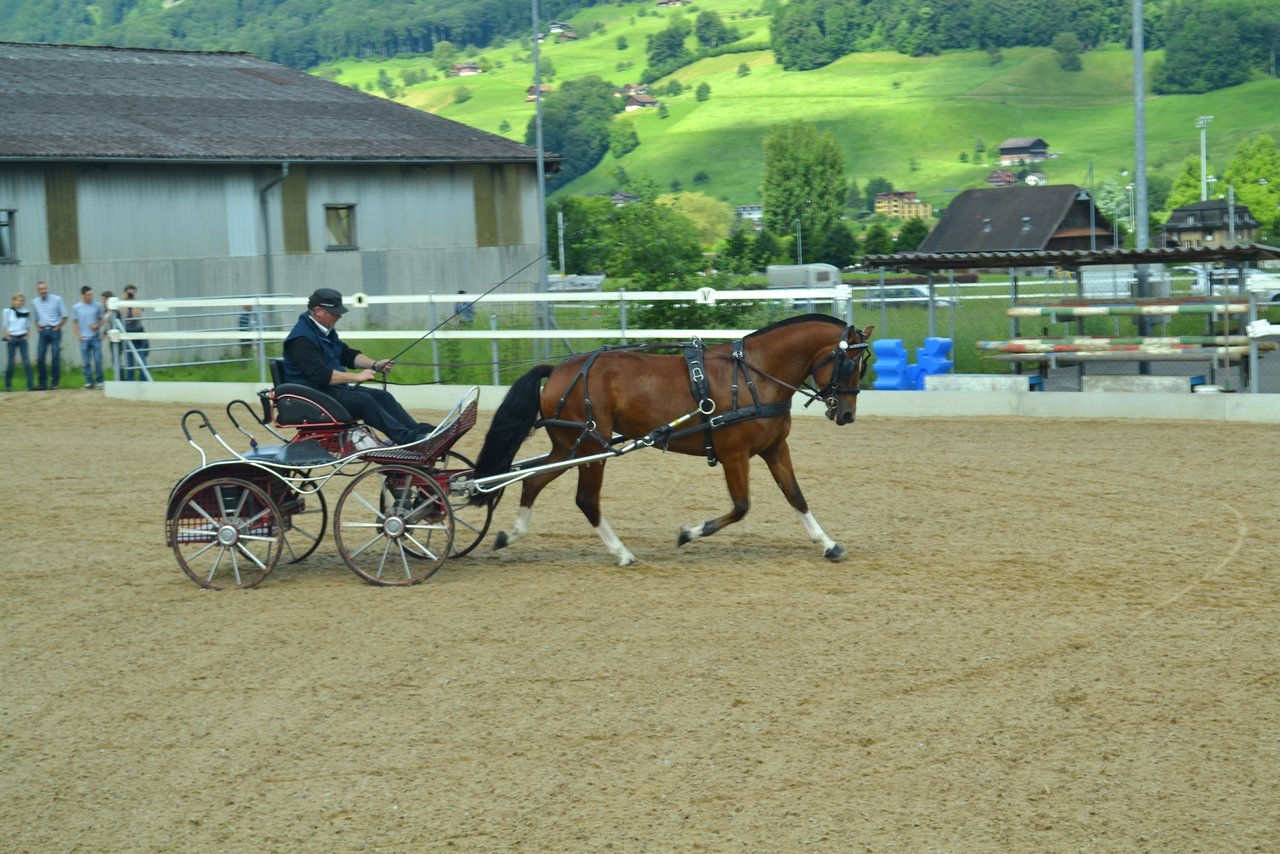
<point x="730" y="401"/>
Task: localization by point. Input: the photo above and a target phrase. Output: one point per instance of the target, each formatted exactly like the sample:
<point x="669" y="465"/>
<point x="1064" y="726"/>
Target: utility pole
<point x="1203" y="123"/>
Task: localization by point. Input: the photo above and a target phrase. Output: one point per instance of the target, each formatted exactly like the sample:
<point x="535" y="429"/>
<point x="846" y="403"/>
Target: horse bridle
<point x="829" y="393"/>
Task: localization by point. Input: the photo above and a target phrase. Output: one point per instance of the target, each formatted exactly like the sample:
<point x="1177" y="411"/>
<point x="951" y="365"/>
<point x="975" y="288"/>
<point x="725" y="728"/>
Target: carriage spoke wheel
<point x="227" y="533"/>
<point x="308" y="519"/>
<point x="393" y="525"/>
<point x="470" y="523"/>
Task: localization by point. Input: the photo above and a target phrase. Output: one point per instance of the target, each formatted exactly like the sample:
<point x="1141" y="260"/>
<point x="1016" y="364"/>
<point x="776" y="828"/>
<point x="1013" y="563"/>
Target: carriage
<point x="396" y="521"/>
<point x="408" y="508"/>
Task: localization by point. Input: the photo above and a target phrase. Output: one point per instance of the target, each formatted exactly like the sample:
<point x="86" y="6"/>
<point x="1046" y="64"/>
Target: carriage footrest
<point x="303" y="454"/>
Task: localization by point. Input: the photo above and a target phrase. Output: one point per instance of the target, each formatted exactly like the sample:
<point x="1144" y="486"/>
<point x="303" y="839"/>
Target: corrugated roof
<point x="1238" y="253"/>
<point x="68" y="102"/>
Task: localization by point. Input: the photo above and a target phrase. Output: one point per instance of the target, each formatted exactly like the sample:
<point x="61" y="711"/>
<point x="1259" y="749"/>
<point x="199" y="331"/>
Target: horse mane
<point x="800" y="318"/>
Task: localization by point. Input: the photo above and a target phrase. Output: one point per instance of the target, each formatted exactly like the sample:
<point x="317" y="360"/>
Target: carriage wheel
<point x="227" y="533"/>
<point x="393" y="525"/>
<point x="308" y="519"/>
<point x="470" y="523"/>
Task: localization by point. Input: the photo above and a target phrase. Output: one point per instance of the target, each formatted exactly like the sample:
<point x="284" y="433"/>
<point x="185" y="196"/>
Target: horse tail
<point x="512" y="421"/>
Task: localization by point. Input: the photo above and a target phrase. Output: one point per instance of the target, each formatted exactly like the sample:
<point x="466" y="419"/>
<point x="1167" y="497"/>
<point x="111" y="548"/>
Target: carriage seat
<point x="298" y="405"/>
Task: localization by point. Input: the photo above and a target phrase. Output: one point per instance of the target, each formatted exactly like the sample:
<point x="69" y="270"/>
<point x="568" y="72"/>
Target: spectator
<point x="51" y="316"/>
<point x="87" y="316"/>
<point x="465" y="311"/>
<point x="132" y="318"/>
<point x="249" y="328"/>
<point x="17" y="329"/>
<point x="108" y="323"/>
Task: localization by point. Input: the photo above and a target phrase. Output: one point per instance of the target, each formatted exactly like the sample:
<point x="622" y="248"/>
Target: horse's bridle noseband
<point x="840" y="355"/>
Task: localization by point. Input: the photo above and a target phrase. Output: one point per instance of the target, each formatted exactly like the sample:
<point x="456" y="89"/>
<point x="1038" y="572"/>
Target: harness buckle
<point x="706" y="406"/>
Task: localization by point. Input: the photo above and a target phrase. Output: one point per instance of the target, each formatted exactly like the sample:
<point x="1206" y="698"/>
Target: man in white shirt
<point x="51" y="314"/>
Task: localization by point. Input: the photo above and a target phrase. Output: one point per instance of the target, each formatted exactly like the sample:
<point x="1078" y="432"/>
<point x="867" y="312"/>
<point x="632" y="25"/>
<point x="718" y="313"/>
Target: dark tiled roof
<point x="993" y="220"/>
<point x="66" y="102"/>
<point x="1238" y="253"/>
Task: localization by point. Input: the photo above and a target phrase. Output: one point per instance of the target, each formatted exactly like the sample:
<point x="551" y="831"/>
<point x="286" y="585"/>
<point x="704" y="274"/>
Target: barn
<point x="220" y="174"/>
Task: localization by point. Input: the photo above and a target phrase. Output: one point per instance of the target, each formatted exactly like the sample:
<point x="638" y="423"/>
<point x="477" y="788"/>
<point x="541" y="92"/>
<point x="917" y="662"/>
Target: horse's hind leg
<point x="590" y="479"/>
<point x="778" y="458"/>
<point x="528" y="494"/>
<point x="736" y="478"/>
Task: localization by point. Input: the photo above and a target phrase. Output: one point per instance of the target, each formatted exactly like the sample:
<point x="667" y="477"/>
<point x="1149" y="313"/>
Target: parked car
<point x="1227" y="280"/>
<point x="917" y="295"/>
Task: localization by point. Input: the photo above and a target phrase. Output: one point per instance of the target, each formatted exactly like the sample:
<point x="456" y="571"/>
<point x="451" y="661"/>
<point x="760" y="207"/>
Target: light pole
<point x="799" y="243"/>
<point x="1203" y="123"/>
<point x="1130" y="187"/>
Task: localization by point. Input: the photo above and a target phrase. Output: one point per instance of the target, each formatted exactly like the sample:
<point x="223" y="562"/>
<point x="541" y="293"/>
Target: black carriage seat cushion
<point x="300" y="405"/>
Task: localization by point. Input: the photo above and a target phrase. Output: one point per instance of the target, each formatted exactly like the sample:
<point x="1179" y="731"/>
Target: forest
<point x="1209" y="44"/>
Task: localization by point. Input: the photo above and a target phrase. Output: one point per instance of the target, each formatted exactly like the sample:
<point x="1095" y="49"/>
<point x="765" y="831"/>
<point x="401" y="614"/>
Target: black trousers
<point x="380" y="411"/>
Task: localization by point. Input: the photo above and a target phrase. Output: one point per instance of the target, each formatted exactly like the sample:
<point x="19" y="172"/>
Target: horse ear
<point x="866" y="333"/>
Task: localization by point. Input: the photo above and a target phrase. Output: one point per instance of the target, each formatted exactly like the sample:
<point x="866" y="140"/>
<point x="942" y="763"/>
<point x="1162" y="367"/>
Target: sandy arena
<point x="1047" y="636"/>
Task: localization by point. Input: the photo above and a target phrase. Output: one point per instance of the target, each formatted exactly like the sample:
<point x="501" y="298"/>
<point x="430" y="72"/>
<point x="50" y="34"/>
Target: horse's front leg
<point x="590" y="479"/>
<point x="778" y="458"/>
<point x="736" y="470"/>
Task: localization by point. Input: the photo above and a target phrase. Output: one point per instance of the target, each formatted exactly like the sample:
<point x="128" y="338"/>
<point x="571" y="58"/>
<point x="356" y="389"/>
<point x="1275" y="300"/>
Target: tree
<point x="623" y="138"/>
<point x="735" y="253"/>
<point x="1254" y="171"/>
<point x="911" y="235"/>
<point x="575" y="123"/>
<point x="667" y="52"/>
<point x="1186" y="184"/>
<point x="765" y="250"/>
<point x="711" y="218"/>
<point x="877" y="241"/>
<point x="621" y="43"/>
<point x="743" y="69"/>
<point x="710" y="30"/>
<point x="703" y="92"/>
<point x="803" y="178"/>
<point x="1068" y="48"/>
<point x="838" y="247"/>
<point x="461" y="95"/>
<point x="874" y="186"/>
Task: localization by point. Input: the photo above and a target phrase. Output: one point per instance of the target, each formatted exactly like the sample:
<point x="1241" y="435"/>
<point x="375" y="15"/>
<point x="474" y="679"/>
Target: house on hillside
<point x="1023" y="149"/>
<point x="1032" y="219"/>
<point x="1211" y="223"/>
<point x="558" y="27"/>
<point x="902" y="204"/>
<point x="753" y="213"/>
<point x="464" y="69"/>
<point x="1002" y="178"/>
<point x="670" y="4"/>
<point x="621" y="199"/>
<point x="640" y="102"/>
<point x="566" y="36"/>
<point x="626" y="90"/>
<point x="221" y="174"/>
<point x="531" y="94"/>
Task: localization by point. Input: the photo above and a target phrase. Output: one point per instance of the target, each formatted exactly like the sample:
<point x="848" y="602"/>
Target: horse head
<point x="838" y="374"/>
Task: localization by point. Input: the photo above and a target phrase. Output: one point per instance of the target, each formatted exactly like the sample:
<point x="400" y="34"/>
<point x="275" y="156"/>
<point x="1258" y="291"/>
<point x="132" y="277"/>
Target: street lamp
<point x="799" y="242"/>
<point x="1203" y="123"/>
<point x="1132" y="223"/>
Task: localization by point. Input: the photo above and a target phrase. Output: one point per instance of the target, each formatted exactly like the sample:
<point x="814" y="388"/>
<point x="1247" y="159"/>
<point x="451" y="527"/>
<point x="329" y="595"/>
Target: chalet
<point x="902" y="204"/>
<point x="531" y="94"/>
<point x="464" y="69"/>
<point x="620" y="199"/>
<point x="558" y="27"/>
<point x="1023" y="149"/>
<point x="1002" y="178"/>
<point x="640" y="102"/>
<point x="246" y="177"/>
<point x="754" y="213"/>
<point x="670" y="4"/>
<point x="628" y="89"/>
<point x="1211" y="223"/>
<point x="1031" y="219"/>
<point x="567" y="36"/>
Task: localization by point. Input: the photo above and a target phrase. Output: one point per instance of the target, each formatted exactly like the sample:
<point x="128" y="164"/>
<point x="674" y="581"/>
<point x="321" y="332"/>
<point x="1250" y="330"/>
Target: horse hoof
<point x="686" y="535"/>
<point x="500" y="541"/>
<point x="834" y="553"/>
<point x="630" y="560"/>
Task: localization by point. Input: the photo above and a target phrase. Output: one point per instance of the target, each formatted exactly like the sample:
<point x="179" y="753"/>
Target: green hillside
<point x="902" y="118"/>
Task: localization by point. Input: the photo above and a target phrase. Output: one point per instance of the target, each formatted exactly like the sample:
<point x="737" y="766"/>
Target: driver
<point x="314" y="356"/>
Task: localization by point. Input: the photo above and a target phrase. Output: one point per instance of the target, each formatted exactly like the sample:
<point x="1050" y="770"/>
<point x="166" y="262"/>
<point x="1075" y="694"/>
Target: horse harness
<point x="741" y="374"/>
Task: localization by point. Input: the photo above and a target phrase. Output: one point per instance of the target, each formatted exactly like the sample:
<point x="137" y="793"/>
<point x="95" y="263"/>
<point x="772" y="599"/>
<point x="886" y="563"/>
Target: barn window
<point x="8" y="252"/>
<point x="340" y="226"/>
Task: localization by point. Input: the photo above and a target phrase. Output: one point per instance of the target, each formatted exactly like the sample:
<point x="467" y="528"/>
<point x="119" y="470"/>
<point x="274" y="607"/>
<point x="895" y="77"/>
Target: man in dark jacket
<point x="314" y="356"/>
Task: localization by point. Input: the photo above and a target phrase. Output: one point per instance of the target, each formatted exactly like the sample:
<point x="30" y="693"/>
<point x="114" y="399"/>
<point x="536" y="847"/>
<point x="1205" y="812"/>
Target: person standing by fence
<point x="87" y="317"/>
<point x="132" y="317"/>
<point x="17" y="329"/>
<point x="51" y="315"/>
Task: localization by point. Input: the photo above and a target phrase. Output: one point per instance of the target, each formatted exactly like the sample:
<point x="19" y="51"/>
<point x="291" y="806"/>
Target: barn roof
<point x="1014" y="218"/>
<point x="69" y="102"/>
<point x="1236" y="253"/>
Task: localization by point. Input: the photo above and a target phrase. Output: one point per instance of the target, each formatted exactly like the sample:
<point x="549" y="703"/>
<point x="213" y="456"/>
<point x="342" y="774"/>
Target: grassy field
<point x="905" y="119"/>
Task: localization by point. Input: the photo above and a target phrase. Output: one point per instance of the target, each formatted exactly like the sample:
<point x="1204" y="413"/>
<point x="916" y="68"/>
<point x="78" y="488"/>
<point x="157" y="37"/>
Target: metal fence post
<point x="493" y="348"/>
